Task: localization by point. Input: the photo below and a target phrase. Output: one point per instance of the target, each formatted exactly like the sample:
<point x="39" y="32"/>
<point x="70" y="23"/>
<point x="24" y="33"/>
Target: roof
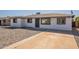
<point x="49" y="15"/>
<point x="38" y="16"/>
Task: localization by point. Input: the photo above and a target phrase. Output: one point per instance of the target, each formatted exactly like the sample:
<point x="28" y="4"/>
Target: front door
<point x="37" y="22"/>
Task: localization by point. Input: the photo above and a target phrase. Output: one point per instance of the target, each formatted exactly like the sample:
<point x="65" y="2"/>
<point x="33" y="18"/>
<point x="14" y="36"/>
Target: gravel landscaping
<point x="10" y="35"/>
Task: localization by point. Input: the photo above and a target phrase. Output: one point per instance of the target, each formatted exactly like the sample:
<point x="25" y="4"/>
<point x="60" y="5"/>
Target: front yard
<point x="49" y="39"/>
<point x="38" y="38"/>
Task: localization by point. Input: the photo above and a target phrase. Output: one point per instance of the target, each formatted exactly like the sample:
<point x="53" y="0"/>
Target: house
<point x="44" y="21"/>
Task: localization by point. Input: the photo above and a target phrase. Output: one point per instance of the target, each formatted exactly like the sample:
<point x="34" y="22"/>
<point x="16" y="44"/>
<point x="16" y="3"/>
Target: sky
<point x="30" y="12"/>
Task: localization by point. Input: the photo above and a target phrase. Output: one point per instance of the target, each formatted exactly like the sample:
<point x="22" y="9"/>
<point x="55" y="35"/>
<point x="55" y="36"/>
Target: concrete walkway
<point x="46" y="40"/>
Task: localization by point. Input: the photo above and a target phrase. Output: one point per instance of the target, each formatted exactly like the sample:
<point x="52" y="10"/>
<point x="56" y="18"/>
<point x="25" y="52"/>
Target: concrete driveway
<point x="47" y="40"/>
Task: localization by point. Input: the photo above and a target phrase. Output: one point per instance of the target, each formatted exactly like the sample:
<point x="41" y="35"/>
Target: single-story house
<point x="45" y="21"/>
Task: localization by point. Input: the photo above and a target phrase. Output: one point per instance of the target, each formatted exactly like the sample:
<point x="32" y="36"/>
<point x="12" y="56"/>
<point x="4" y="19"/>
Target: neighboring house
<point x="45" y="21"/>
<point x="4" y="21"/>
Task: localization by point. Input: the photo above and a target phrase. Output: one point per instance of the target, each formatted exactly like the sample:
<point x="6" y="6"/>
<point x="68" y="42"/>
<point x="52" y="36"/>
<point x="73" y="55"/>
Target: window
<point x="45" y="21"/>
<point x="4" y="21"/>
<point x="15" y="20"/>
<point x="61" y="20"/>
<point x="29" y="20"/>
<point x="8" y="20"/>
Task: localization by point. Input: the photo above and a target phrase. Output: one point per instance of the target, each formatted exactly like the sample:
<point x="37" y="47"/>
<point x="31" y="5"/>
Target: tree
<point x="77" y="19"/>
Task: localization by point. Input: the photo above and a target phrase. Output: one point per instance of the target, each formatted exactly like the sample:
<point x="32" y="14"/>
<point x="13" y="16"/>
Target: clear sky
<point x="30" y="12"/>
